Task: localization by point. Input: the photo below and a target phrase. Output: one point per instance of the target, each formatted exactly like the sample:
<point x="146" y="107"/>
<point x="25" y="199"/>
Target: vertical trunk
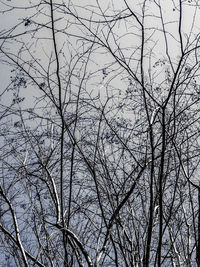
<point x="161" y="191"/>
<point x="150" y="226"/>
<point x="198" y="235"/>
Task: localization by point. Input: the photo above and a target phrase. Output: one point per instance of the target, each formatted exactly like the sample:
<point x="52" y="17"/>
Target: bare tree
<point x="100" y="134"/>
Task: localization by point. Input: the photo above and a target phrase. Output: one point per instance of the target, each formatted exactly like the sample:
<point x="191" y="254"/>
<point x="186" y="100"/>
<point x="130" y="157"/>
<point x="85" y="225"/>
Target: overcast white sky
<point x="170" y="12"/>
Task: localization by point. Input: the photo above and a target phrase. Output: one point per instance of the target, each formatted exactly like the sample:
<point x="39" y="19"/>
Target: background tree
<point x="100" y="133"/>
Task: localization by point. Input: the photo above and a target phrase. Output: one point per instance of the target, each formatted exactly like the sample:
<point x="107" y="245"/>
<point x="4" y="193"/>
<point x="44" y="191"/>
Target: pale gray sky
<point x="43" y="47"/>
